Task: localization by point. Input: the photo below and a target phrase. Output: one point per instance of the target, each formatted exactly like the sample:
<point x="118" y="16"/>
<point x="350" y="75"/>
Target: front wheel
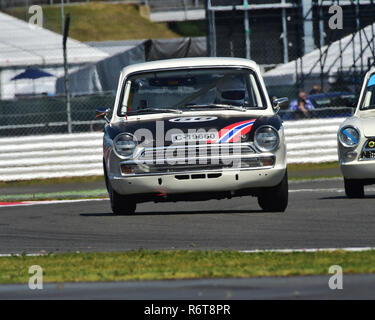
<point x="275" y="199"/>
<point x="354" y="188"/>
<point x="121" y="205"/>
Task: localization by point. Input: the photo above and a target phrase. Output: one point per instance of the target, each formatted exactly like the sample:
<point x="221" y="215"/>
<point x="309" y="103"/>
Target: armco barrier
<point x="312" y="141"/>
<point x="51" y="156"/>
<point x="63" y="155"/>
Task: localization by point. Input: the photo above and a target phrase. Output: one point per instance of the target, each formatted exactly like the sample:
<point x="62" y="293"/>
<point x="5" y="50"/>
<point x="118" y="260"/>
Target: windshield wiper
<point x="155" y="110"/>
<point x="215" y="106"/>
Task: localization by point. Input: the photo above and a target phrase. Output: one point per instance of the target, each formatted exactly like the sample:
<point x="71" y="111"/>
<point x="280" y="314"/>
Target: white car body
<point x="357" y="154"/>
<point x="150" y="182"/>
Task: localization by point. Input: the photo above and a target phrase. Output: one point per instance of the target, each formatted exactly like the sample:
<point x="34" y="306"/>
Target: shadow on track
<point x="165" y="213"/>
<point x="346" y="198"/>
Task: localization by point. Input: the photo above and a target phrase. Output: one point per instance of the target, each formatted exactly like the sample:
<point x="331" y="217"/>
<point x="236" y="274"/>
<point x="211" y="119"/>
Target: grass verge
<point x="298" y="167"/>
<point x="71" y="195"/>
<point x="181" y="264"/>
<point x="100" y="21"/>
<point x="23" y="183"/>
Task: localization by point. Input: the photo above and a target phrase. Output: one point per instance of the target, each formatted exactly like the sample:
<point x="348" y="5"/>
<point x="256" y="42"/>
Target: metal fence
<point x="273" y="34"/>
<point x="46" y="115"/>
<point x="277" y="32"/>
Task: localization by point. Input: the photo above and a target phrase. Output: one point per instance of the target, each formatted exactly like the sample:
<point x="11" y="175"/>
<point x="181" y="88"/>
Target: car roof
<point x="190" y="62"/>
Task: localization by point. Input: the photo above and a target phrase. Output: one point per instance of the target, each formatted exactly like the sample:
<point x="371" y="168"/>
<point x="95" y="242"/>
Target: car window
<point x="181" y="89"/>
<point x="368" y="101"/>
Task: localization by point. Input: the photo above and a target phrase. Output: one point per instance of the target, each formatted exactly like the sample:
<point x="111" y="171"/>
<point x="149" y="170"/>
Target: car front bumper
<point x="198" y="181"/>
<point x="361" y="169"/>
<point x="254" y="170"/>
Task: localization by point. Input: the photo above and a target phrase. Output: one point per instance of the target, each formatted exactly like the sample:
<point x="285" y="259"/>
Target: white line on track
<point x="5" y="255"/>
<point x="354" y="249"/>
<point x="314" y="180"/>
<point x="337" y="190"/>
<point x="30" y="203"/>
<point x="317" y="190"/>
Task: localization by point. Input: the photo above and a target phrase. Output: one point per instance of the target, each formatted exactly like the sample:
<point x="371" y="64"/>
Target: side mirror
<point x="279" y="103"/>
<point x="104" y="113"/>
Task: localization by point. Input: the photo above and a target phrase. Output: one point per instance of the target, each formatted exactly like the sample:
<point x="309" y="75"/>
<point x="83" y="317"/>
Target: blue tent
<point x="32" y="73"/>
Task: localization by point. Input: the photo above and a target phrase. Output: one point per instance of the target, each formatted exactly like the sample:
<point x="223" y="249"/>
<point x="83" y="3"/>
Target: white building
<point x="24" y="45"/>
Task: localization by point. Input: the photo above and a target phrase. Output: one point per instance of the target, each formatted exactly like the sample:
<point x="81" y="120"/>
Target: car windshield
<point x="368" y="101"/>
<point x="182" y="90"/>
<point x="339" y="99"/>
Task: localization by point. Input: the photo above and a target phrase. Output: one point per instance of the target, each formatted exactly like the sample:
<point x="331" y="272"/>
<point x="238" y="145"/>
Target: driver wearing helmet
<point x="231" y="91"/>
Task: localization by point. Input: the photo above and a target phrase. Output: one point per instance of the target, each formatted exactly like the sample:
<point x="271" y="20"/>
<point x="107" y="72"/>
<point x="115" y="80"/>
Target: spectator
<point x="301" y="106"/>
<point x="316" y="89"/>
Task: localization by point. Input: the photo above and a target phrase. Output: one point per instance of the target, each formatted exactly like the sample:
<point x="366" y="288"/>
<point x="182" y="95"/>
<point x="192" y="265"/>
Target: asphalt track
<point x="310" y="287"/>
<point x="319" y="216"/>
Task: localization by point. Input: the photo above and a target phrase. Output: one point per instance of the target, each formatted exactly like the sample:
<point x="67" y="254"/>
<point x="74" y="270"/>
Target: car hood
<point x="367" y="125"/>
<point x="247" y="123"/>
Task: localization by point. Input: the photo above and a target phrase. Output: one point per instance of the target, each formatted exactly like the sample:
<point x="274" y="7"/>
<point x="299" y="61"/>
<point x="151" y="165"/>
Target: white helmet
<point x="231" y="90"/>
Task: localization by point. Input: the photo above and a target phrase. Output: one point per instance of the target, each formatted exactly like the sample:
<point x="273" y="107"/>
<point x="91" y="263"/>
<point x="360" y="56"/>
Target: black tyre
<point x="354" y="188"/>
<point x="121" y="205"/>
<point x="275" y="199"/>
<point x="106" y="178"/>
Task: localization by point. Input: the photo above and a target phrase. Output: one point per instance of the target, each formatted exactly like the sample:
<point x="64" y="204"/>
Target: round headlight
<point x="349" y="136"/>
<point x="125" y="145"/>
<point x="266" y="138"/>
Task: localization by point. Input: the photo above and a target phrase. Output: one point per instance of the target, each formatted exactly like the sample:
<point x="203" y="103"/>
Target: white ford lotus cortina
<point x="194" y="129"/>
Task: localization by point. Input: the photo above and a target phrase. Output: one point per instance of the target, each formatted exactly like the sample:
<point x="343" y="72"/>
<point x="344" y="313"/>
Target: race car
<point x="356" y="142"/>
<point x="194" y="129"/>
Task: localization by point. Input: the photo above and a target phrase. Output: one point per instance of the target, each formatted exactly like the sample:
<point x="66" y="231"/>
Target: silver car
<point x="356" y="142"/>
<point x="194" y="129"/>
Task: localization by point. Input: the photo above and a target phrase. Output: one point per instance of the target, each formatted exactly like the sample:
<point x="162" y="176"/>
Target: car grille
<point x="197" y="158"/>
<point x="197" y="151"/>
<point x="210" y="165"/>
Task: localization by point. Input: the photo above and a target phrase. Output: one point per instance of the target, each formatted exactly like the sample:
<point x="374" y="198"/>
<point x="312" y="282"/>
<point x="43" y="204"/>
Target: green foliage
<point x="100" y="21"/>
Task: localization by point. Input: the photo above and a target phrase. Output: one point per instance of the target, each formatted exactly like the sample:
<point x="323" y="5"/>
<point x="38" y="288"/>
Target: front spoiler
<point x="199" y="181"/>
<point x="361" y="170"/>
